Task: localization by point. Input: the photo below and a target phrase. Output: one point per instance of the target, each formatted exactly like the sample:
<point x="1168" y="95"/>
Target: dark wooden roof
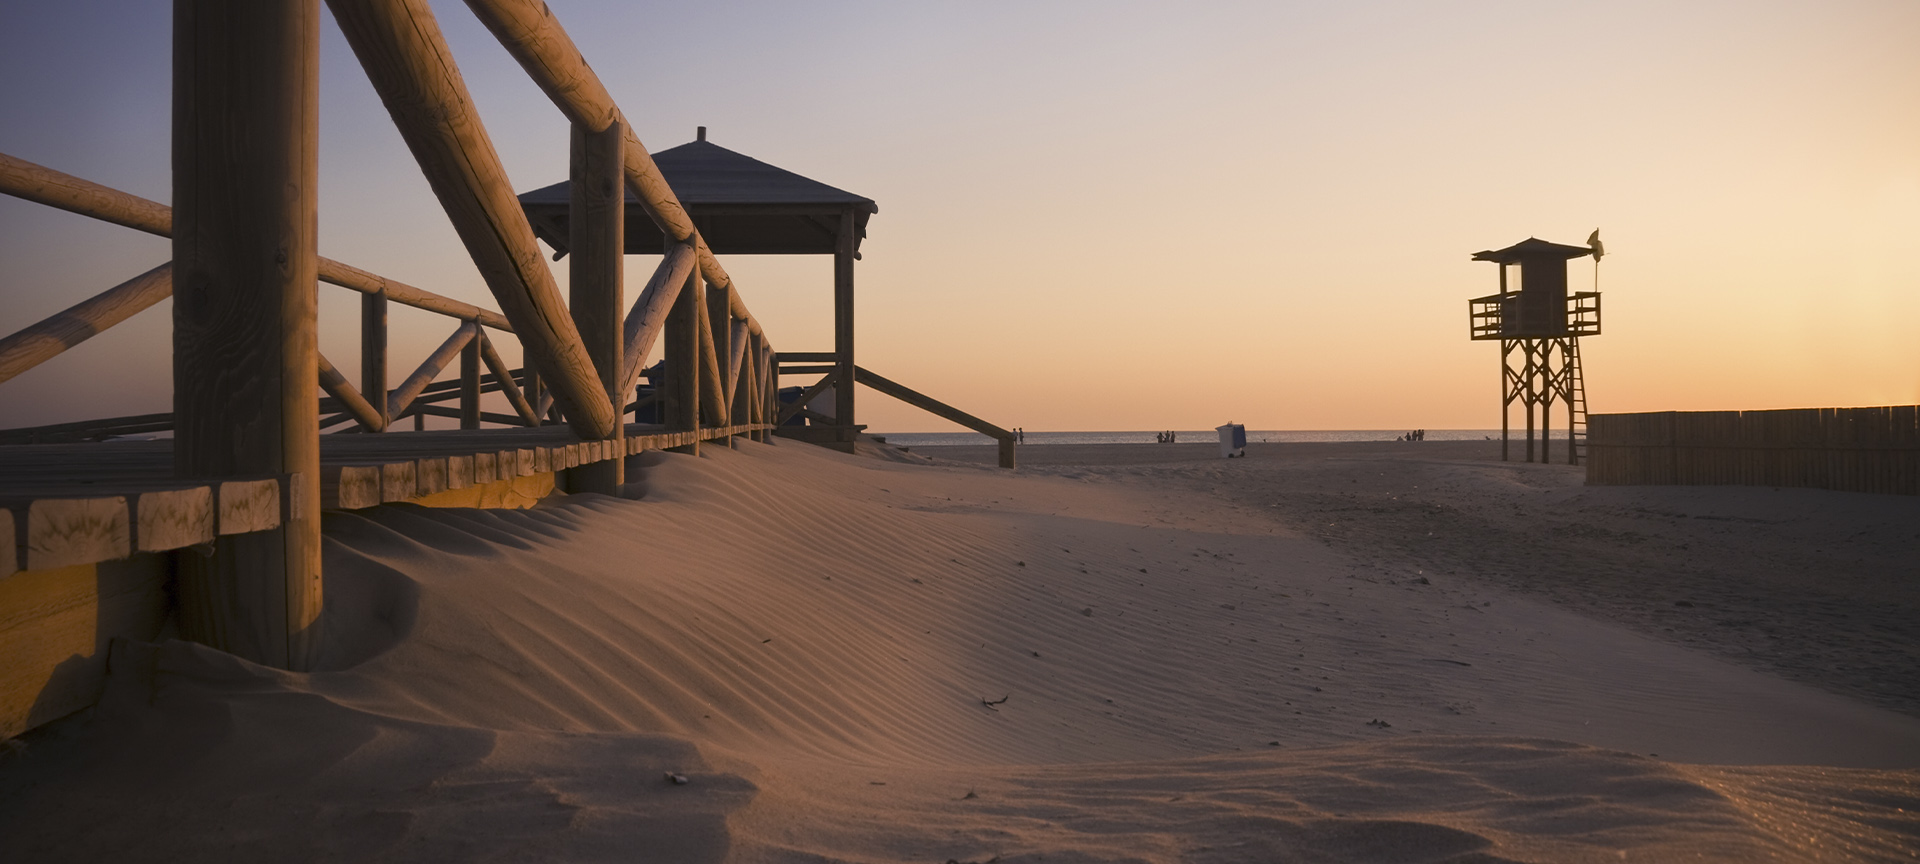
<point x="1533" y="248"/>
<point x="741" y="205"/>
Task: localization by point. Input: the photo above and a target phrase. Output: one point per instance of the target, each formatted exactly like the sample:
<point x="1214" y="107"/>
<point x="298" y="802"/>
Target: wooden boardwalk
<point x="213" y="535"/>
<point x="70" y="504"/>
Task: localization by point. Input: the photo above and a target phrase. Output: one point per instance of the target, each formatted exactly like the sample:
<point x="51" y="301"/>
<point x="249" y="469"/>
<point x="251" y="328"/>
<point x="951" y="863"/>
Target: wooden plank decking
<point x="69" y="504"/>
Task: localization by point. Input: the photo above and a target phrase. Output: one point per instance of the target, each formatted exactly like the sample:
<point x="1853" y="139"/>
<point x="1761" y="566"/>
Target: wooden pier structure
<point x="1538" y="325"/>
<point x="216" y="531"/>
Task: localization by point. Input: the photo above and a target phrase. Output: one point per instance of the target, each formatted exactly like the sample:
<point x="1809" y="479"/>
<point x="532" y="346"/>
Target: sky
<point x="1109" y="215"/>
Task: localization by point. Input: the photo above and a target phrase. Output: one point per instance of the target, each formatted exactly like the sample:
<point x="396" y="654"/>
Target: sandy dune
<point x="1184" y="664"/>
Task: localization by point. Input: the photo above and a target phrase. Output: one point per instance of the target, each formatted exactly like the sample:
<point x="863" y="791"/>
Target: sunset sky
<point x="1132" y="216"/>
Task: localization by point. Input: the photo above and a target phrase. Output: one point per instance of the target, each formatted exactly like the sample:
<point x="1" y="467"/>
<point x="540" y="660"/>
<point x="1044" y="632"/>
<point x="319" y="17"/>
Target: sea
<point x="1193" y="436"/>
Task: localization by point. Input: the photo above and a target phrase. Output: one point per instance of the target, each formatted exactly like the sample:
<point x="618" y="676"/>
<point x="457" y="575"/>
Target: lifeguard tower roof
<point x="741" y="205"/>
<point x="1532" y="248"/>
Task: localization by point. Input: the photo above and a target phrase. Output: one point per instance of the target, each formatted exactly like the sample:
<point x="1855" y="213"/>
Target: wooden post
<point x="534" y="392"/>
<point x="843" y="329"/>
<point x="716" y="335"/>
<point x="598" y="232"/>
<point x="1506" y="400"/>
<point x="373" y="352"/>
<point x="1526" y="382"/>
<point x="1547" y="385"/>
<point x="681" y="402"/>
<point x="470" y="381"/>
<point x="245" y="373"/>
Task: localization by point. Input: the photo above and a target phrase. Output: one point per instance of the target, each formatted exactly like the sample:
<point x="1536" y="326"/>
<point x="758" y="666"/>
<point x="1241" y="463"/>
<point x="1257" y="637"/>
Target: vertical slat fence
<point x="1873" y="449"/>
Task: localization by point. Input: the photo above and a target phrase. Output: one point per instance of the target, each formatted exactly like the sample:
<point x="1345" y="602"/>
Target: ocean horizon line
<point x="1194" y="436"/>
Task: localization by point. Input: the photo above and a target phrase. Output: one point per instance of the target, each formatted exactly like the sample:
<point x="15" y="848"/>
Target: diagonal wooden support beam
<point x="409" y="390"/>
<point x="355" y="404"/>
<point x="713" y="391"/>
<point x="806" y="396"/>
<point x="37" y="343"/>
<point x="504" y="377"/>
<point x="649" y="315"/>
<point x="529" y="31"/>
<point x="737" y="357"/>
<point x="400" y="46"/>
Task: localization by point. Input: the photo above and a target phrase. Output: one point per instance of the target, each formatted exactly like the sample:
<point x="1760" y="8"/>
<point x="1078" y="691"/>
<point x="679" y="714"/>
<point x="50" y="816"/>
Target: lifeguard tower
<point x="1539" y="324"/>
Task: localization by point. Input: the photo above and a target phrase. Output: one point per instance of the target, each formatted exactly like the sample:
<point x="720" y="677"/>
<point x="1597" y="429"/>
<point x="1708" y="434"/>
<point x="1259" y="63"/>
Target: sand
<point x="1115" y="654"/>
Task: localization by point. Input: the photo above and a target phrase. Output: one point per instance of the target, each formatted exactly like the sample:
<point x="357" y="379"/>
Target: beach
<point x="1389" y="651"/>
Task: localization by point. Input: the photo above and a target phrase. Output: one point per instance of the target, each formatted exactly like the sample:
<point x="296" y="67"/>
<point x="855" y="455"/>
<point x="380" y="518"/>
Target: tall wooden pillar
<point x="598" y="238"/>
<point x="245" y="373"/>
<point x="843" y="415"/>
<point x="681" y="401"/>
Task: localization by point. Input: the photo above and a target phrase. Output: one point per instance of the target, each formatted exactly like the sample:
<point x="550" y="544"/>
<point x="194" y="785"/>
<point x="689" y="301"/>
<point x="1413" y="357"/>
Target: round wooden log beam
<point x="43" y="185"/>
<point x="529" y="32"/>
<point x="535" y="38"/>
<point x="350" y="399"/>
<point x="38" y="343"/>
<point x="649" y="314"/>
<point x="400" y="47"/>
<point x="348" y="276"/>
<point x="245" y="368"/>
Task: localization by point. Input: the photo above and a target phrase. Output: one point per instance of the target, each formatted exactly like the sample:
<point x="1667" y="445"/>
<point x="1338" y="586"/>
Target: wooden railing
<point x="1847" y="449"/>
<point x="243" y="227"/>
<point x="1487" y="316"/>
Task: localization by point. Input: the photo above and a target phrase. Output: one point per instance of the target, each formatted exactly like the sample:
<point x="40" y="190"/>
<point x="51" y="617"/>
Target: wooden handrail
<point x="37" y="343"/>
<point x="940" y="409"/>
<point x="929" y="404"/>
<point x="400" y="47"/>
<point x="43" y="185"/>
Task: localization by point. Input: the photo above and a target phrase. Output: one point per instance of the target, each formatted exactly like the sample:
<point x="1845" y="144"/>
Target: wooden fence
<point x="1846" y="449"/>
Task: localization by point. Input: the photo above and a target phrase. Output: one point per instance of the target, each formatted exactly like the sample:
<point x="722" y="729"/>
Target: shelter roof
<point x="740" y="204"/>
<point x="1533" y="248"/>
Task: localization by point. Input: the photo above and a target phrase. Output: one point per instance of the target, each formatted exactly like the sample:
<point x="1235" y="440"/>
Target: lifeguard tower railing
<point x="1487" y="316"/>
